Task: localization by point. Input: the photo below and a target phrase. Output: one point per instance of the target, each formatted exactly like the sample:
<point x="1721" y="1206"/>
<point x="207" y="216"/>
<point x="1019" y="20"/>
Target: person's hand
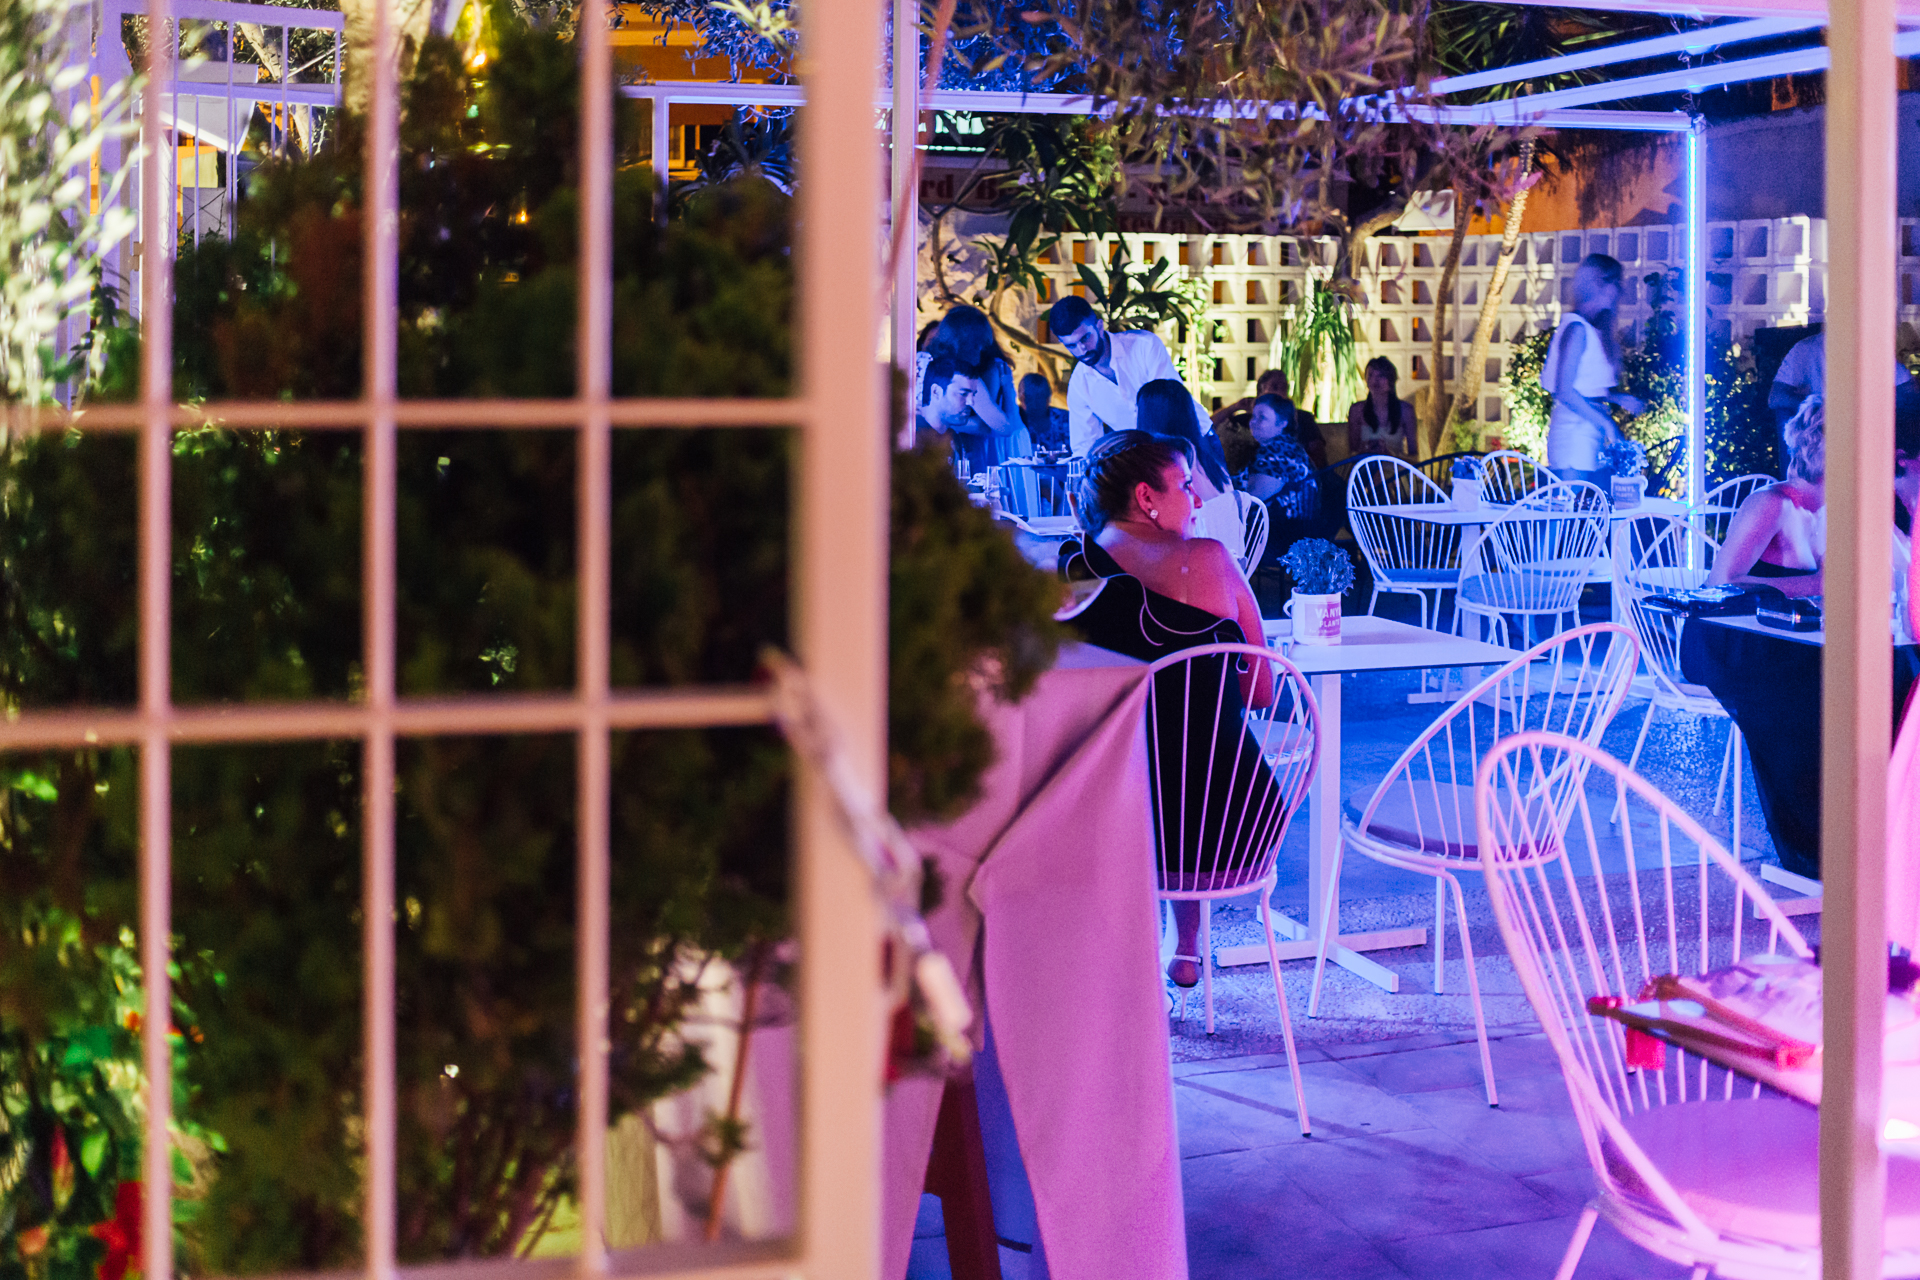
<point x="1634" y="405"/>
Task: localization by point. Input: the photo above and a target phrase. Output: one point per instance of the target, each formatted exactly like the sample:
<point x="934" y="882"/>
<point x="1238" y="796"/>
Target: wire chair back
<point x="1233" y="739"/>
<point x="1257" y="523"/>
<point x="1507" y="476"/>
<point x="1573" y="684"/>
<point x="1657" y="554"/>
<point x="1593" y="916"/>
<point x="1405" y="554"/>
<point x="1723" y="500"/>
<point x="1537" y="558"/>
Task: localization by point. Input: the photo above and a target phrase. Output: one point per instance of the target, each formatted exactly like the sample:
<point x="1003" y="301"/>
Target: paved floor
<point x="1408" y="1173"/>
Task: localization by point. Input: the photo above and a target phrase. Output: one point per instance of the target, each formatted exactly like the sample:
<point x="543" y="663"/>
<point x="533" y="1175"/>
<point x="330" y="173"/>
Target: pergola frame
<point x="840" y="582"/>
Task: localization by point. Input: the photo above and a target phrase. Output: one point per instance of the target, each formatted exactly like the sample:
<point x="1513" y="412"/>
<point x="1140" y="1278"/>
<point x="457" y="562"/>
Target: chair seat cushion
<point x="1434" y="577"/>
<point x="1752" y="1168"/>
<point x="1441" y="824"/>
<point x="1534" y="590"/>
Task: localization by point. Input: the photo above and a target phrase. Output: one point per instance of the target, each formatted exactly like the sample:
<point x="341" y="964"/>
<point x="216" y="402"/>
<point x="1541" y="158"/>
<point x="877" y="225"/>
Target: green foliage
<point x="1132" y="297"/>
<point x="959" y="591"/>
<point x="1321" y="356"/>
<point x="266" y="582"/>
<point x="1529" y="403"/>
<point x="1318" y="567"/>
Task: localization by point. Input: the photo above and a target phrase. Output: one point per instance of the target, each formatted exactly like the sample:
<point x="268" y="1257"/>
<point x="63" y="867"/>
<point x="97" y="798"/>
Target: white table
<point x="1747" y="622"/>
<point x="1366" y="644"/>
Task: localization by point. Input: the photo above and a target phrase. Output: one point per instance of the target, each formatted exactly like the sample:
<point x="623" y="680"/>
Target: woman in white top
<point x="1166" y="408"/>
<point x="1383" y="422"/>
<point x="1581" y="371"/>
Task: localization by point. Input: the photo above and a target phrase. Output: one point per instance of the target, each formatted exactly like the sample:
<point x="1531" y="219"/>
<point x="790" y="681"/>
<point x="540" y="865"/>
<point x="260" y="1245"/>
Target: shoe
<point x="1178" y="970"/>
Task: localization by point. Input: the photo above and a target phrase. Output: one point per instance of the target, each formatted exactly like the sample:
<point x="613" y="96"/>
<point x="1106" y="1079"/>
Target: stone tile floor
<point x="1409" y="1173"/>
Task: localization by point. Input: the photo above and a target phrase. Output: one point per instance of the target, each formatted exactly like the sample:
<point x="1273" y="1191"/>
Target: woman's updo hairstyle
<point x="1806" y="435"/>
<point x="1118" y="462"/>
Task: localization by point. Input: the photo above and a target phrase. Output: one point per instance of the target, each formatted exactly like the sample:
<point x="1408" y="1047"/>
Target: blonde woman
<point x="1582" y="371"/>
<point x="1779" y="536"/>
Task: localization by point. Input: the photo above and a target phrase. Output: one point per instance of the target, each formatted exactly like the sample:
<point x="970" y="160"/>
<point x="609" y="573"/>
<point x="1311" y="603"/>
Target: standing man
<point x="1111" y="369"/>
<point x="1804" y="373"/>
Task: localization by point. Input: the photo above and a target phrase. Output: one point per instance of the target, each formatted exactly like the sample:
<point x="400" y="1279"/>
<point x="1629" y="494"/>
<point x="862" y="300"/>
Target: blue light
<point x="1696" y="324"/>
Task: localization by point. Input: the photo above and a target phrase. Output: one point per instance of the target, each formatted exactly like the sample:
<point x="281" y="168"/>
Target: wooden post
<point x="1857" y="668"/>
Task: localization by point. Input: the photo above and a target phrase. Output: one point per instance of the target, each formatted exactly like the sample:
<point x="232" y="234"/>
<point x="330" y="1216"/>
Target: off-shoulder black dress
<point x="1214" y="796"/>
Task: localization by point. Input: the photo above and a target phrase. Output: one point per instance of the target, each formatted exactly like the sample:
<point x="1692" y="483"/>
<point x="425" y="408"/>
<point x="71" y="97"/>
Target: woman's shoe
<point x="1184" y="972"/>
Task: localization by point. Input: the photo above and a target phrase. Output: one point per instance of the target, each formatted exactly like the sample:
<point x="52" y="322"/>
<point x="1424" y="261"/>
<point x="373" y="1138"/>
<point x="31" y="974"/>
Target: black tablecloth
<point x="1771" y="687"/>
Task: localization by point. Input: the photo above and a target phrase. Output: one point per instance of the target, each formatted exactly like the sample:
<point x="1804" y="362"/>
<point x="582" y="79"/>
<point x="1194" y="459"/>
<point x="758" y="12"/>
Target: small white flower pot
<point x="1466" y="493"/>
<point x="1316" y="619"/>
<point x="1628" y="491"/>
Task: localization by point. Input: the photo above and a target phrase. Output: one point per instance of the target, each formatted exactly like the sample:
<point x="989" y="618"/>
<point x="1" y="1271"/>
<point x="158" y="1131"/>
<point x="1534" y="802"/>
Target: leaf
<point x="93" y="1150"/>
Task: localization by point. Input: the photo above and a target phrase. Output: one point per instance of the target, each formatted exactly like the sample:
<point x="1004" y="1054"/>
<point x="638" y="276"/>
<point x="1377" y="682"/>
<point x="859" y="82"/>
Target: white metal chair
<point x="1420" y="816"/>
<point x="1258" y="527"/>
<point x="1226" y="783"/>
<point x="1507" y="476"/>
<point x="1716" y="513"/>
<point x="1692" y="1163"/>
<point x="1406" y="556"/>
<point x="1534" y="561"/>
<point x="1662" y="553"/>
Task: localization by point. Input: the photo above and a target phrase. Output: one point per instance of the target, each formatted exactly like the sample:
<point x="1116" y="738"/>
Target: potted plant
<point x="1321" y="574"/>
<point x="1627" y="459"/>
<point x="1466" y="483"/>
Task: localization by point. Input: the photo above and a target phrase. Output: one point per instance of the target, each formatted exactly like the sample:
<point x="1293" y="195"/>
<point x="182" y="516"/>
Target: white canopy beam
<point x="1634" y="51"/>
<point x="1904" y="10"/>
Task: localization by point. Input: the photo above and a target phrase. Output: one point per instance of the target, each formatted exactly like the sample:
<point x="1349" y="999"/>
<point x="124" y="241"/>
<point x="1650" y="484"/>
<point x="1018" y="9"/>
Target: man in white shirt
<point x="1111" y="369"/>
<point x="1804" y="373"/>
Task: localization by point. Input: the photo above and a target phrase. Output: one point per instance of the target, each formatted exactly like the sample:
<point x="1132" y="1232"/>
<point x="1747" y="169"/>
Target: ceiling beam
<point x="1632" y="51"/>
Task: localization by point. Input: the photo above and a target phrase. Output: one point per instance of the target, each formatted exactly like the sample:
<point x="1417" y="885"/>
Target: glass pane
<point x="266" y="902"/>
<point x="701" y="524"/>
<point x="68" y="531"/>
<point x="485" y="993"/>
<point x="267" y="532"/>
<point x="70" y="1000"/>
<point x="704" y="1071"/>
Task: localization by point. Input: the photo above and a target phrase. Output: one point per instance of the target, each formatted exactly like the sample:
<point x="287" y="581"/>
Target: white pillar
<point x="906" y="190"/>
<point x="1696" y="316"/>
<point x="840" y="623"/>
<point x="1857" y="666"/>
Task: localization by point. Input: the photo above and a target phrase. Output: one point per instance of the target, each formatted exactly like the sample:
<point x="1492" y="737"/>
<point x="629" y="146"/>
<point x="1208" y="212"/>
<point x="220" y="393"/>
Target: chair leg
<point x="1473" y="990"/>
<point x="1578" y="1245"/>
<point x="1286" y="1017"/>
<point x="1206" y="956"/>
<point x="1439" y="937"/>
<point x="1620" y="804"/>
<point x="1326" y="934"/>
<point x="1739" y="775"/>
<point x="1726" y="759"/>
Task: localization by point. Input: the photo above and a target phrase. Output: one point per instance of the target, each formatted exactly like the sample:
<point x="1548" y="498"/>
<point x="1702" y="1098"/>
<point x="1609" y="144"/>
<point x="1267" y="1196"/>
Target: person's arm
<point x="1354" y="422"/>
<point x="1221" y="416"/>
<point x="1573" y="345"/>
<point x="1262" y="485"/>
<point x="1409" y="432"/>
<point x="999" y="408"/>
<point x="1306" y="429"/>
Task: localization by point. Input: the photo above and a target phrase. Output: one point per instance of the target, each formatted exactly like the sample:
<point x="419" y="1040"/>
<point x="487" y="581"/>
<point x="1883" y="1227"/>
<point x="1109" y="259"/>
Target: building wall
<point x="1761" y="272"/>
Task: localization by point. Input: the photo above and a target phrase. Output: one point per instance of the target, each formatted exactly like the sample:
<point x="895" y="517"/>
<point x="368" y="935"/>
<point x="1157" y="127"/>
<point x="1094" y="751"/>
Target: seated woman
<point x="1280" y="467"/>
<point x="1164" y="590"/>
<point x="1165" y="408"/>
<point x="1779" y="536"/>
<point x="1383" y="422"/>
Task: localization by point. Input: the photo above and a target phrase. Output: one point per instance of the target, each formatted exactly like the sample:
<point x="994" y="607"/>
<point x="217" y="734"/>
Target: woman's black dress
<point x="1215" y="799"/>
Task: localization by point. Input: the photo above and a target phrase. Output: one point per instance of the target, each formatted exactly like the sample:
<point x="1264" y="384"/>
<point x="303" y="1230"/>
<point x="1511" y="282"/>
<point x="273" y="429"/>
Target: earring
<point x="1153" y="515"/>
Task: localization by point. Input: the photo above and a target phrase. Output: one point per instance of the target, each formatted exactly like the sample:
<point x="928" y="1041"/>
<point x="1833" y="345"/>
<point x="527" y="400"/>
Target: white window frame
<point x="839" y="628"/>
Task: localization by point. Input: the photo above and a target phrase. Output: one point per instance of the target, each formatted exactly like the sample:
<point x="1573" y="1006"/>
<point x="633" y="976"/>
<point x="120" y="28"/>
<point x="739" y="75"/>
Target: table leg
<point x="1298" y="942"/>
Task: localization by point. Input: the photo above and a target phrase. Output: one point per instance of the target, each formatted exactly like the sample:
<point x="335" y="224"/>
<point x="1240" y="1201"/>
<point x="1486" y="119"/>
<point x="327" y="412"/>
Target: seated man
<point x="946" y="395"/>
